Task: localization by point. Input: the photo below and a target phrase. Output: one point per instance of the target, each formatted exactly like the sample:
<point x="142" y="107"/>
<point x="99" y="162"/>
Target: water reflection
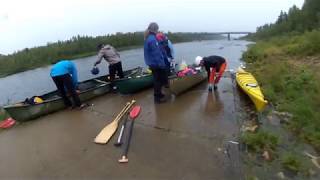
<point x="214" y="105"/>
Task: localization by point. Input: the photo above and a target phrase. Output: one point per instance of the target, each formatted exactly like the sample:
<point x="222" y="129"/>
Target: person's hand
<point x="78" y="91"/>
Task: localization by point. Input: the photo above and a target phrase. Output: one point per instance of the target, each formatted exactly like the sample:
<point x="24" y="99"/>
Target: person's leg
<point x="59" y="83"/>
<point x="67" y="81"/>
<point x="157" y="84"/>
<point x="119" y="70"/>
<point x="211" y="78"/>
<point x="221" y="71"/>
<point x="112" y="71"/>
<point x="112" y="74"/>
<point x="164" y="75"/>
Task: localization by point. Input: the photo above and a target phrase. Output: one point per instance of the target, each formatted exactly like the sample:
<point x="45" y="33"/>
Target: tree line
<point x="81" y="46"/>
<point x="295" y="21"/>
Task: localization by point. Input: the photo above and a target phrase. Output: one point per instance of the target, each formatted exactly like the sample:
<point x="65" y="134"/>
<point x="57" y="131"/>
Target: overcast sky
<point x="29" y="23"/>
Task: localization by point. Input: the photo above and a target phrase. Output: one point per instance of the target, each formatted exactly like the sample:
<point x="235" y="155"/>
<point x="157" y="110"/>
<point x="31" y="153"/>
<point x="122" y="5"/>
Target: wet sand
<point x="184" y="138"/>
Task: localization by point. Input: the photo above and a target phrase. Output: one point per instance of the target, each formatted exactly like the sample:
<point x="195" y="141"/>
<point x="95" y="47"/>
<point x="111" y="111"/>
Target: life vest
<point x="186" y="72"/>
<point x="33" y="100"/>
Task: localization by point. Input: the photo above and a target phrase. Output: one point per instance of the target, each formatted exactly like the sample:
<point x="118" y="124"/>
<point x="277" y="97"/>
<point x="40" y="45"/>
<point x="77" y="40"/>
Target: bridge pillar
<point x="229" y="38"/>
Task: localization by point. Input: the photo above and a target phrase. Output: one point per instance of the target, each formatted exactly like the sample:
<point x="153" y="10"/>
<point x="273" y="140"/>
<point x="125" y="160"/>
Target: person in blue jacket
<point x="154" y="58"/>
<point x="167" y="50"/>
<point x="64" y="74"/>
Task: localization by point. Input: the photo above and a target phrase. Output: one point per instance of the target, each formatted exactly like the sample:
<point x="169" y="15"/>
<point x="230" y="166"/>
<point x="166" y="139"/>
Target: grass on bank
<point x="260" y="141"/>
<point x="287" y="69"/>
<point x="291" y="162"/>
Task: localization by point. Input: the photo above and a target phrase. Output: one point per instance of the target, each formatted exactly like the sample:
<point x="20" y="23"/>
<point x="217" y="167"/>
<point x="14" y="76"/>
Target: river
<point x="30" y="83"/>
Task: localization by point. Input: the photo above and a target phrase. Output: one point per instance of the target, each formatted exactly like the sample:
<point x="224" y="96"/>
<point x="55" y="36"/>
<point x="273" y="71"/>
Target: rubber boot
<point x="210" y="88"/>
<point x="215" y="87"/>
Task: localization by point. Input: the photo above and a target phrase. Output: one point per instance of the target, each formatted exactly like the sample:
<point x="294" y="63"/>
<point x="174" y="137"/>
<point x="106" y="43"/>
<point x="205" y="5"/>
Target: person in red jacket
<point x="213" y="65"/>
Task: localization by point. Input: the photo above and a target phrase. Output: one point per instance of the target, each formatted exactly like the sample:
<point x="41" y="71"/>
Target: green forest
<point x="285" y="60"/>
<point x="82" y="46"/>
<point x="294" y="22"/>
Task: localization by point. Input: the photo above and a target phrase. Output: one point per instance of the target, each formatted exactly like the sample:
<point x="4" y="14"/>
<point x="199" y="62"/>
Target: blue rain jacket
<point x="65" y="67"/>
<point x="153" y="56"/>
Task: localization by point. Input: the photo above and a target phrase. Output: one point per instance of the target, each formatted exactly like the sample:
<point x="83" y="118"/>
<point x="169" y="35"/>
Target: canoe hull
<point x="28" y="112"/>
<point x="179" y="85"/>
<point x="89" y="89"/>
<point x="134" y="84"/>
<point x="249" y="85"/>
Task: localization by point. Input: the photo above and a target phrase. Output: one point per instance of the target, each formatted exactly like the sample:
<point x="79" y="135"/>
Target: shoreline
<point x="289" y="78"/>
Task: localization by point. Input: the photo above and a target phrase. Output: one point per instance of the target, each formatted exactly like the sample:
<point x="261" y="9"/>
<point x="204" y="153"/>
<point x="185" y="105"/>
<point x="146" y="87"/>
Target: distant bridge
<point x="229" y="33"/>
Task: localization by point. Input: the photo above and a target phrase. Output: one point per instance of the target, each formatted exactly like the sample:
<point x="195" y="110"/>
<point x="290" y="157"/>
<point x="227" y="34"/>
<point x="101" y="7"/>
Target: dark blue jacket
<point x="153" y="56"/>
<point x="164" y="53"/>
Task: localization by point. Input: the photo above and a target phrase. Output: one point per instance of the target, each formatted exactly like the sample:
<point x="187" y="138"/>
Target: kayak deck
<point x="250" y="86"/>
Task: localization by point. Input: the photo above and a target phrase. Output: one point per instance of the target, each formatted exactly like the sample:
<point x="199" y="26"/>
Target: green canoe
<point x="179" y="85"/>
<point x="134" y="83"/>
<point x="142" y="81"/>
<point x="53" y="102"/>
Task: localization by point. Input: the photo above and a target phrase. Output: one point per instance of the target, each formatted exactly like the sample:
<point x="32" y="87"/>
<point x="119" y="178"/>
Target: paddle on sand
<point x="133" y="114"/>
<point x="119" y="140"/>
<point x="106" y="133"/>
<point x="7" y="123"/>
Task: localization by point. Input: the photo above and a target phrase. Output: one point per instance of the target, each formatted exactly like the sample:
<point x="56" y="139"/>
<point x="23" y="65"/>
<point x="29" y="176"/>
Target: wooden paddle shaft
<point x="124" y="110"/>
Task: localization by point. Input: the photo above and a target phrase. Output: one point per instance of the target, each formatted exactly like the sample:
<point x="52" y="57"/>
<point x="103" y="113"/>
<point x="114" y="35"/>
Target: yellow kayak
<point x="250" y="86"/>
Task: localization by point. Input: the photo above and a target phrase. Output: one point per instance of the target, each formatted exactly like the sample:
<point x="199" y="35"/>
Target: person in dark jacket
<point x="167" y="50"/>
<point x="154" y="58"/>
<point x="213" y="65"/>
<point x="64" y="74"/>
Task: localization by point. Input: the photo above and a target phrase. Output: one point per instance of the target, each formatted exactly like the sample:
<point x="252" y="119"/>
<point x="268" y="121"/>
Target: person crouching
<point x="212" y="64"/>
<point x="64" y="75"/>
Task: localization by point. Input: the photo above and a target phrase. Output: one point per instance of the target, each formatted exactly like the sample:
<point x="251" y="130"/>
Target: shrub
<point x="291" y="162"/>
<point x="259" y="141"/>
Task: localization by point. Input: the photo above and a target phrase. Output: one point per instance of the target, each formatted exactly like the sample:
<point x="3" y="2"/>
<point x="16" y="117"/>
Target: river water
<point x="17" y="87"/>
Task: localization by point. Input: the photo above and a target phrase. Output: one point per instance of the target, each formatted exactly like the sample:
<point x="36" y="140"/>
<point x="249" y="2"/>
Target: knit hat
<point x="153" y="27"/>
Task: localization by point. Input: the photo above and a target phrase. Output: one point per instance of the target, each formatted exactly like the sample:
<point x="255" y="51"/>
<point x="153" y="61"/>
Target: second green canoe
<point x="134" y="84"/>
<point x="179" y="85"/>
